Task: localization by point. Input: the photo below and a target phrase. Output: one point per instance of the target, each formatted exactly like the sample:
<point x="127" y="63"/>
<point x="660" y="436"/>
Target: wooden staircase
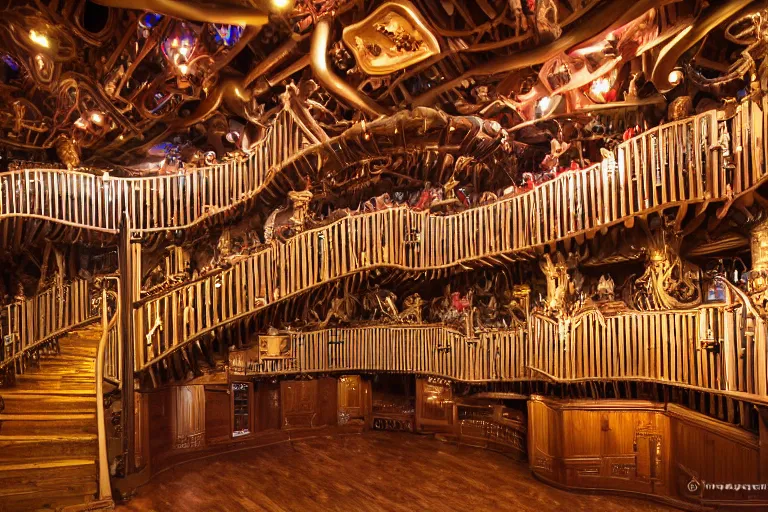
<point x="48" y="430"/>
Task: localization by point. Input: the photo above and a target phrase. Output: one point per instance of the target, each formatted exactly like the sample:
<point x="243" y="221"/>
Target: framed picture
<point x="275" y="346"/>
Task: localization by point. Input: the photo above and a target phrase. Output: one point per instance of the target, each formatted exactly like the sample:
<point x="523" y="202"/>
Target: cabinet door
<point x="217" y="414"/>
<point x="242" y="417"/>
<point x="299" y="400"/>
<point x="350" y="398"/>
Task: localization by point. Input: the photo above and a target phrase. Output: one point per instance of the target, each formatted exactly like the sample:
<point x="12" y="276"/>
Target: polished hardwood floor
<point x="374" y="471"/>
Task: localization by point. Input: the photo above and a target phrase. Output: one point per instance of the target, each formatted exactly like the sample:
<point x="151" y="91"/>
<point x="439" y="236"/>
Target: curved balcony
<point x="675" y="165"/>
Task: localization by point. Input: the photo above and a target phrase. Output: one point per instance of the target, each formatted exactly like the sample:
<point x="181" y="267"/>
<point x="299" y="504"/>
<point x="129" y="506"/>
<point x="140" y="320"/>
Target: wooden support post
<point x="127" y="287"/>
<point x="763" y="428"/>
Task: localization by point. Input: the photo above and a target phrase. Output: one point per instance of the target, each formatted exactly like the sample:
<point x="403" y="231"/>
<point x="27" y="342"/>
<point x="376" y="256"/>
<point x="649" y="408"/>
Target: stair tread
<point x="51" y="464"/>
<point x="48" y="438"/>
<point x="46" y="417"/>
<point x="47" y="392"/>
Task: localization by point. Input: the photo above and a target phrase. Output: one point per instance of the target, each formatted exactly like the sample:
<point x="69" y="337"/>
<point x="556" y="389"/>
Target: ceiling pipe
<point x="669" y="55"/>
<point x="609" y="17"/>
<point x="318" y="58"/>
<point x="211" y="13"/>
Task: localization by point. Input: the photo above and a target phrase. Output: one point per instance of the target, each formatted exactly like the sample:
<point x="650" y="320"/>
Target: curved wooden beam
<point x="669" y="55"/>
<point x="213" y="12"/>
<point x="613" y="15"/>
<point x="328" y="79"/>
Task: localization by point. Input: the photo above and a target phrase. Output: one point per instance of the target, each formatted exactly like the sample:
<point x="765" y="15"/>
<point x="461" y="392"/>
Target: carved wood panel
<point x="299" y="403"/>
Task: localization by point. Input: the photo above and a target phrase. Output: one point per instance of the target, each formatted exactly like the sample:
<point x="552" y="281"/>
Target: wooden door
<point x="299" y="403"/>
<point x="434" y="406"/>
<point x="350" y="398"/>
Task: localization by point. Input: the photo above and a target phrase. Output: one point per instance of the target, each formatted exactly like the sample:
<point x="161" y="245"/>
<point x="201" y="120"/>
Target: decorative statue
<point x="605" y="287"/>
<point x="412" y="306"/>
<point x="68" y="152"/>
<point x="668" y="282"/>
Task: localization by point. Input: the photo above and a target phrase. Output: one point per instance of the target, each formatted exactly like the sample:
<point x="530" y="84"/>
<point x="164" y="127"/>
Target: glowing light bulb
<point x="39" y="38"/>
<point x="97" y="118"/>
<point x="80" y="123"/>
<point x="280" y="4"/>
<point x="600" y="86"/>
<point x="184" y="69"/>
<point x="544" y="103"/>
<point x="675" y="76"/>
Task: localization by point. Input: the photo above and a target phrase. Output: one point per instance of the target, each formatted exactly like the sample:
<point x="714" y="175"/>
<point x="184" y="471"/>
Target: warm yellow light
<point x="675" y="76"/>
<point x="80" y="123"/>
<point x="97" y="118"/>
<point x="280" y="4"/>
<point x="600" y="86"/>
<point x="39" y="38"/>
<point x="184" y="69"/>
<point x="544" y="104"/>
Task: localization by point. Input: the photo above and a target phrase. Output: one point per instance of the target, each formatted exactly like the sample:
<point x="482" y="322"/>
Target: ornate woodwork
<point x="263" y="216"/>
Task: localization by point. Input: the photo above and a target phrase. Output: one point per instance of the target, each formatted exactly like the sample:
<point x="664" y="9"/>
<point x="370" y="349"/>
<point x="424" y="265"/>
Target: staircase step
<point x="42" y="403"/>
<point x="5" y="392"/>
<point x="53" y="499"/>
<point x="25" y="424"/>
<point x="65" y="359"/>
<point x="49" y="484"/>
<point x="18" y="448"/>
<point x="33" y="380"/>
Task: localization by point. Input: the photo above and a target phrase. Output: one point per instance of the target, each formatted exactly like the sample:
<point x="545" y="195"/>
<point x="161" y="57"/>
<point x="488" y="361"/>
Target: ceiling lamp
<point x="180" y="46"/>
<point x="546" y="105"/>
<point x="39" y="38"/>
<point x="675" y="76"/>
<point x="602" y="89"/>
<point x="97" y="118"/>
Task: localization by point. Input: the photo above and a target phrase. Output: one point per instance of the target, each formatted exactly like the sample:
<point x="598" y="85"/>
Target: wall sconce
<point x="709" y="342"/>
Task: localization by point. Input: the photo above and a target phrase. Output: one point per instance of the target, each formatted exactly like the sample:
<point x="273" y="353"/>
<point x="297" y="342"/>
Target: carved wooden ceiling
<point x="135" y="85"/>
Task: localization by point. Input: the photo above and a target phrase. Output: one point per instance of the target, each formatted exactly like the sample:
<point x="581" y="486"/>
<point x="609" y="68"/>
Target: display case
<point x="242" y="398"/>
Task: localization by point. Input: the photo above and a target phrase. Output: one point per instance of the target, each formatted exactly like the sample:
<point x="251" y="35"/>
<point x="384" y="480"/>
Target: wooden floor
<point x="373" y="471"/>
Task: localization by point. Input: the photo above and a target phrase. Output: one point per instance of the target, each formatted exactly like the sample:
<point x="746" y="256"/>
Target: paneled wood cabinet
<point x="642" y="447"/>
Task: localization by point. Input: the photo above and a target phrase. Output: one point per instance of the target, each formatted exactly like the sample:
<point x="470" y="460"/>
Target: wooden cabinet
<point x="242" y="408"/>
<point x="351" y="399"/>
<point x="434" y="405"/>
<point x="299" y="403"/>
<point x="217" y="414"/>
<point x="642" y="447"/>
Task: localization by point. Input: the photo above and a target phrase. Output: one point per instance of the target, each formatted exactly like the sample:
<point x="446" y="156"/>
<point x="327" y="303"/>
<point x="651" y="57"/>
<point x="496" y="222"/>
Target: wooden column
<point x="129" y="280"/>
<point x="763" y="425"/>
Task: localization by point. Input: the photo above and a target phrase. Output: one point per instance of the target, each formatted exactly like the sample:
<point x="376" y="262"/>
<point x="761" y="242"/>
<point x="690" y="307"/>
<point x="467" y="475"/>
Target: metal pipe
<point x="319" y="62"/>
<point x="669" y="55"/>
<point x="615" y="14"/>
<point x="211" y="13"/>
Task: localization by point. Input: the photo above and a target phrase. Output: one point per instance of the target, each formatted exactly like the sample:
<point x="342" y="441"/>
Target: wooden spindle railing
<point x="672" y="163"/>
<point x="715" y="347"/>
<point x="575" y="203"/>
<point x="154" y="203"/>
<point x="30" y="323"/>
<point x="492" y="355"/>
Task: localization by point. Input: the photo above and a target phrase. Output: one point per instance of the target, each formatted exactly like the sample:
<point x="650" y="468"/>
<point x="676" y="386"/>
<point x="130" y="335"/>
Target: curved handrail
<point x="154" y="203"/>
<point x="105" y="489"/>
<point x="537" y="352"/>
<point x="182" y="201"/>
<point x="49" y="314"/>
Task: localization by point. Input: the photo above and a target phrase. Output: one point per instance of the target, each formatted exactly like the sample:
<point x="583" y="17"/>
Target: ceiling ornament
<point x="391" y="38"/>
